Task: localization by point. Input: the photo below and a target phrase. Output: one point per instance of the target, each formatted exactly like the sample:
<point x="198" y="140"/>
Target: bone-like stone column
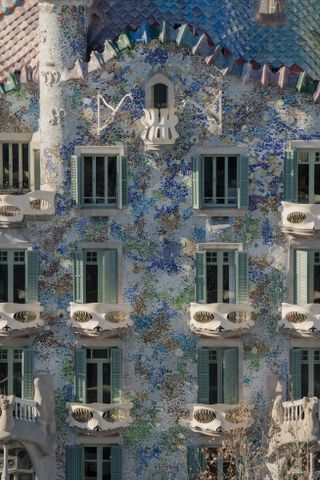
<point x="63" y="32"/>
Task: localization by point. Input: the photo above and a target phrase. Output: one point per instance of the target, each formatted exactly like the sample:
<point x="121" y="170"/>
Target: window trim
<point x="99" y="362"/>
<point x="99" y="460"/>
<point x="214" y="181"/>
<point x="159" y="78"/>
<point x="10" y="361"/>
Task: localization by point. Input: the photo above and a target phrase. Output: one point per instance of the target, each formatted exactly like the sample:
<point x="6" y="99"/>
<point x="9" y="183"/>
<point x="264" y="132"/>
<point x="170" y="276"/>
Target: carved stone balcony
<point x="159" y="128"/>
<point x="13" y="208"/>
<point x="99" y="418"/>
<point x="220" y="319"/>
<point x="301" y="320"/>
<point x="99" y="319"/>
<point x="30" y="421"/>
<point x="19" y="319"/>
<point x="219" y="418"/>
<point x="300" y="218"/>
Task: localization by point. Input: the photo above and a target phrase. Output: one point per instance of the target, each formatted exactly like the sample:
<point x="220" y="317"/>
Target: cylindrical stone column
<point x="63" y="33"/>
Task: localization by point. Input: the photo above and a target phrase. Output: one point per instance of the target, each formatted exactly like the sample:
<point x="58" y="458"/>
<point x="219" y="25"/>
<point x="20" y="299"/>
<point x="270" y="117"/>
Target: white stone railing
<point x="219" y="418"/>
<point x="300" y="217"/>
<point x="26" y="410"/>
<point x="159" y="128"/>
<point x="96" y="318"/>
<point x="16" y="318"/>
<point x="14" y="207"/>
<point x="301" y="319"/>
<point x="300" y="422"/>
<point x="220" y="319"/>
<point x="99" y="417"/>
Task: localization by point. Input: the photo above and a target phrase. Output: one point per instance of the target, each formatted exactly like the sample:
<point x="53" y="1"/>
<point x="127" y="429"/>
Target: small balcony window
<point x="18" y="463"/>
<point x="14" y="168"/>
<point x="98" y="375"/>
<point x="221" y="276"/>
<point x="160" y="96"/>
<point x="94" y="462"/>
<point x="96" y="276"/>
<point x="99" y="181"/>
<point x="218" y="375"/>
<point x="305" y="372"/>
<point x="18" y="276"/>
<point x="219" y="181"/>
<point x="16" y="372"/>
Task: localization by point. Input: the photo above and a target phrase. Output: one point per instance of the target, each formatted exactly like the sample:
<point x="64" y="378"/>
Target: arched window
<point x="160" y="96"/>
<point x="18" y="463"/>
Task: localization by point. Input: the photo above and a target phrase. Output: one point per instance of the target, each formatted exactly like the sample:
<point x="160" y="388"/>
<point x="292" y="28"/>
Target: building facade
<point x="159" y="234"/>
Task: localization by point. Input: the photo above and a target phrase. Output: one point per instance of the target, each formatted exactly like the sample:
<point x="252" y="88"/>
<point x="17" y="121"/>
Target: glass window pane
<point x="316" y="372"/>
<point x="303" y="183"/>
<point x="92" y="382"/>
<point x="106" y="383"/>
<point x="213" y="383"/>
<point x="211" y="462"/>
<point x="5" y="157"/>
<point x="220" y="179"/>
<point x="226" y="284"/>
<point x="91" y="283"/>
<point x="100" y="180"/>
<point x="4" y="379"/>
<point x="208" y="181"/>
<point x="25" y="165"/>
<point x="90" y="471"/>
<point x="19" y="290"/>
<point x="106" y="453"/>
<point x="15" y="165"/>
<point x="160" y="96"/>
<point x="106" y="474"/>
<point x="3" y="283"/>
<point x="317" y="183"/>
<point x="304" y="380"/>
<point x="112" y="180"/>
<point x="232" y="180"/>
<point x="87" y="180"/>
<point x="212" y="283"/>
<point x="90" y="453"/>
<point x="17" y="379"/>
<point x="100" y="353"/>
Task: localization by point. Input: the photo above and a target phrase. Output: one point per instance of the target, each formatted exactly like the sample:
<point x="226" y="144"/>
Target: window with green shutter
<point x="305" y="372"/>
<point x="218" y="375"/>
<point x="18" y="276"/>
<point x="302" y="176"/>
<point x="220" y="181"/>
<point x="307" y="276"/>
<point x="99" y="181"/>
<point x="209" y="461"/>
<point x="16" y="372"/>
<point x="96" y="276"/>
<point x="221" y="276"/>
<point x="94" y="462"/>
<point x="98" y="375"/>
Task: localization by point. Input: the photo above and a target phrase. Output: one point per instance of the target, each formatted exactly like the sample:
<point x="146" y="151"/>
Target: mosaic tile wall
<point x="159" y="232"/>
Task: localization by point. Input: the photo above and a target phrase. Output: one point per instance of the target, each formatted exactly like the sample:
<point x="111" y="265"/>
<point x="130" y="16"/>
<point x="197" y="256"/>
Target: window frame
<point x="309" y="264"/>
<point x="10" y="360"/>
<point x="311" y="162"/>
<point x="214" y="203"/>
<point x="10" y="272"/>
<point x="99" y="461"/>
<point x="94" y="197"/>
<point x="99" y="362"/>
<point x="220" y="263"/>
<point x="298" y="374"/>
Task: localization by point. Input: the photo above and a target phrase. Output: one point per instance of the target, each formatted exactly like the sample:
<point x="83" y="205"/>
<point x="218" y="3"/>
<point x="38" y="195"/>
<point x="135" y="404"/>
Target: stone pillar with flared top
<point x="62" y="51"/>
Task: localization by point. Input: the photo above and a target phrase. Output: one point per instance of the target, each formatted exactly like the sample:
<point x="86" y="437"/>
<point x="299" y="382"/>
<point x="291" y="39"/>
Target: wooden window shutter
<point x="196" y="182"/>
<point x="76" y="186"/>
<point x="116" y="360"/>
<point x="201" y="277"/>
<point x="301" y="276"/>
<point x="78" y="280"/>
<point x="243" y="182"/>
<point x="32" y="276"/>
<point x="116" y="462"/>
<point x="295" y="370"/>
<point x="109" y="276"/>
<point x="74" y="462"/>
<point x="242" y="284"/>
<point x="203" y="375"/>
<point x="122" y="182"/>
<point x="193" y="463"/>
<point x="230" y="375"/>
<point x="80" y="374"/>
<point x="28" y="374"/>
<point x="290" y="176"/>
